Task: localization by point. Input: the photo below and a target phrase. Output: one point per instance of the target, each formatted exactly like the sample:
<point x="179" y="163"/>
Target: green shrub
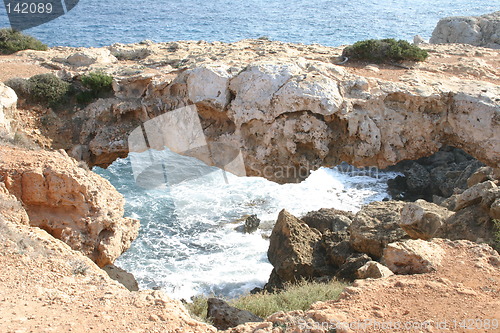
<point x="20" y="86"/>
<point x="48" y="88"/>
<point x="12" y="41"/>
<point x="496" y="230"/>
<point x="98" y="82"/>
<point x="294" y="297"/>
<point x="384" y="50"/>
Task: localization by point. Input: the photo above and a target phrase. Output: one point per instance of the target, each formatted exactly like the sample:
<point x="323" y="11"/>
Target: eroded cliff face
<point x="289" y="108"/>
<point x="71" y="203"/>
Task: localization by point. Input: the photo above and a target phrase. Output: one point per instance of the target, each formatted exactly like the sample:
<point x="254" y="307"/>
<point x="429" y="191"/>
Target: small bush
<point x="294" y="297"/>
<point x="384" y="50"/>
<point x="48" y="88"/>
<point x="12" y="41"/>
<point x="98" y="82"/>
<point x="20" y="86"/>
<point x="496" y="241"/>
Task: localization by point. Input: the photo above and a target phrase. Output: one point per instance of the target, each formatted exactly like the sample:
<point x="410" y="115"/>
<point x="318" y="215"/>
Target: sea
<point x="189" y="243"/>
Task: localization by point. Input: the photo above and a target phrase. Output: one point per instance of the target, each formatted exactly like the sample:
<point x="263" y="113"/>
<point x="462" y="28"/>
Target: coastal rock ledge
<point x="289" y="108"/>
<point x="68" y="201"/>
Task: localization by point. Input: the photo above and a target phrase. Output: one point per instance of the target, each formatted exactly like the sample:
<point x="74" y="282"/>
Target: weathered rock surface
<point x="10" y="208"/>
<point x="8" y="100"/>
<point x="475" y="30"/>
<point x="422" y="219"/>
<point x="412" y="256"/>
<point x="119" y="274"/>
<point x="48" y="286"/>
<point x="375" y="226"/>
<point x="291" y="248"/>
<point x="224" y="316"/>
<point x="70" y="202"/>
<point x="373" y="270"/>
<point x="473" y="195"/>
<point x="329" y="219"/>
<point x="467" y="271"/>
<point x="289" y="108"/>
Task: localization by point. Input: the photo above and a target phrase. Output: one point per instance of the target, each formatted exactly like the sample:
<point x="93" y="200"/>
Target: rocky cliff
<point x="70" y="202"/>
<point x="289" y="108"/>
<point x="481" y="30"/>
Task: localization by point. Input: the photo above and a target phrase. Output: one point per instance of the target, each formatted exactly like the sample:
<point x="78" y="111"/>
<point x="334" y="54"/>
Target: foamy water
<point x="188" y="244"/>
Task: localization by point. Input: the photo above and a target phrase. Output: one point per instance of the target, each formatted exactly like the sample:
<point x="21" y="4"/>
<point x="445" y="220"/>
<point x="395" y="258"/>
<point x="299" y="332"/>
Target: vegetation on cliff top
<point x="12" y="41"/>
<point x="384" y="50"/>
<point x="294" y="297"/>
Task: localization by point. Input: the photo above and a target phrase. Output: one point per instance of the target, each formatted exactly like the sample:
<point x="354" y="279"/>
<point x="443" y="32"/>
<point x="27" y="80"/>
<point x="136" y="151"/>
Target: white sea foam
<point x="188" y="244"/>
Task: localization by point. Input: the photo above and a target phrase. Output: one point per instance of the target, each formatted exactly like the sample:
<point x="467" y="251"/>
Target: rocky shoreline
<point x="285" y="107"/>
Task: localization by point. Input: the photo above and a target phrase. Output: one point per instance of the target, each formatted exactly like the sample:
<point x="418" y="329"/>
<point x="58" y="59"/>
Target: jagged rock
<point x="328" y="219"/>
<point x="475" y="30"/>
<point x="251" y="224"/>
<point x="422" y="219"/>
<point x="70" y="202"/>
<point x="412" y="256"/>
<point x="348" y="270"/>
<point x="291" y="248"/>
<point x="473" y="195"/>
<point x="337" y="251"/>
<point x="375" y="226"/>
<point x="471" y="223"/>
<point x="373" y="270"/>
<point x="224" y="316"/>
<point x="481" y="175"/>
<point x="119" y="274"/>
<point x="90" y="56"/>
<point x="10" y="208"/>
<point x="8" y="101"/>
<point x="495" y="210"/>
<point x="417" y="178"/>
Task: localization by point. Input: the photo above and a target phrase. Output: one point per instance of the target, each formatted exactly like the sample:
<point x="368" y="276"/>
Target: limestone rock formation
<point x="288" y="107"/>
<point x="224" y="316"/>
<point x="475" y="30"/>
<point x="473" y="195"/>
<point x="291" y="248"/>
<point x="329" y="219"/>
<point x="70" y="202"/>
<point x="10" y="208"/>
<point x="119" y="274"/>
<point x="412" y="256"/>
<point x="422" y="219"/>
<point x="8" y="100"/>
<point x="375" y="226"/>
<point x="373" y="270"/>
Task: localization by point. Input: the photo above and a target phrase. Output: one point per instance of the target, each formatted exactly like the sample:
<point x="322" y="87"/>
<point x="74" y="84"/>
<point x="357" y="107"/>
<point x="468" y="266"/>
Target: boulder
<point x="412" y="256"/>
<point x="329" y="219"/>
<point x="471" y="223"/>
<point x="481" y="175"/>
<point x="291" y="248"/>
<point x="125" y="278"/>
<point x="11" y="209"/>
<point x="223" y="316"/>
<point x="421" y="219"/>
<point x="8" y="102"/>
<point x="72" y="203"/>
<point x="495" y="210"/>
<point x="336" y="252"/>
<point x="87" y="57"/>
<point x="373" y="270"/>
<point x="474" y="194"/>
<point x="348" y="270"/>
<point x="375" y="226"/>
<point x="418" y="178"/>
<point x="475" y="30"/>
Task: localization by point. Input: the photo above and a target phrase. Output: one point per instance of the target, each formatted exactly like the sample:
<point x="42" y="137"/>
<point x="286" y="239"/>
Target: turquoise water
<point x="332" y="23"/>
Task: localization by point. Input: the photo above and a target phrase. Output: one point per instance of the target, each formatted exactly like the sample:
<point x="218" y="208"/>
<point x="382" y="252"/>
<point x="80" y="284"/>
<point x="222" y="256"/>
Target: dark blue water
<point x="332" y="23"/>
